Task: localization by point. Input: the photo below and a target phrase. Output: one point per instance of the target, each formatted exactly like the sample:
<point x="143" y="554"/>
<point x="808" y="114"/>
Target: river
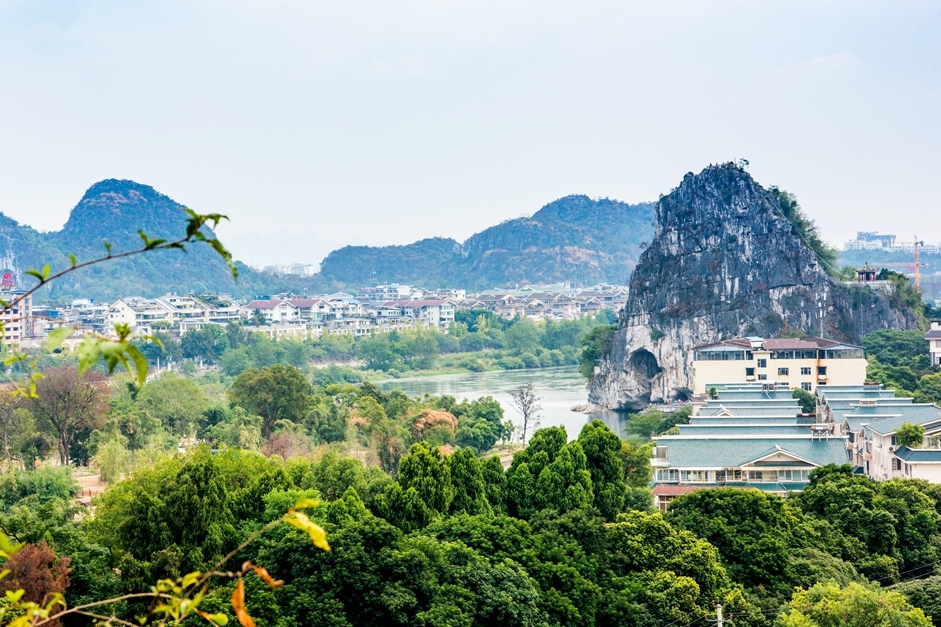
<point x="560" y="389"/>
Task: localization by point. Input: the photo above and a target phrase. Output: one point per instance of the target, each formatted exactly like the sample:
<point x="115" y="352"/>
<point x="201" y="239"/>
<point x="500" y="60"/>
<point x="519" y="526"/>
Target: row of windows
<point x="743" y="355"/>
<point x="703" y="476"/>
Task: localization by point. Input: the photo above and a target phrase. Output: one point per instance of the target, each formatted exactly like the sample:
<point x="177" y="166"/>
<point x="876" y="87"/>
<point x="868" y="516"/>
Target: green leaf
<point x="140" y="363"/>
<point x="14" y="595"/>
<point x="72" y="260"/>
<point x="7" y="548"/>
<point x="316" y="533"/>
<point x="45" y="271"/>
<point x="56" y="337"/>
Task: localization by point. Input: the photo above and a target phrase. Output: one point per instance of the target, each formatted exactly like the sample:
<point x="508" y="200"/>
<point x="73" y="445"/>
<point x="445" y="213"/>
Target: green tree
<point x="425" y="470"/>
<point x="522" y="336"/>
<point x="826" y="604"/>
<point x="67" y="403"/>
<point x="548" y="474"/>
<point x="603" y="458"/>
<point x="925" y="594"/>
<point x="277" y="393"/>
<point x="929" y="389"/>
<point x="635" y="460"/>
<point x="177" y="402"/>
<point x="207" y="344"/>
<point x="467" y="477"/>
<point x="645" y="425"/>
<point x="479" y="423"/>
<point x="595" y="346"/>
<point x="236" y="361"/>
<point x="807" y="401"/>
<point x="376" y="353"/>
<point x="495" y="483"/>
<point x="910" y="435"/>
<point x="750" y="528"/>
<point x="895" y="347"/>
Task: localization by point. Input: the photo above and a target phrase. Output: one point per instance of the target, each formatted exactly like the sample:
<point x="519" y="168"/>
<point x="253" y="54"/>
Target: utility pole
<point x="718" y="619"/>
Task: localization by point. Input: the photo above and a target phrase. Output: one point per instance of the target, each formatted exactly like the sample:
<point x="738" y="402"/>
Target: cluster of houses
<point x="747" y="430"/>
<point x="373" y="309"/>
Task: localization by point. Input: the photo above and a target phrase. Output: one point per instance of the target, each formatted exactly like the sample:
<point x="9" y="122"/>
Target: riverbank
<point x="560" y="389"/>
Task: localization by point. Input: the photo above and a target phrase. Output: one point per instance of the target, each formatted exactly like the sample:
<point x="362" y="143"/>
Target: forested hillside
<point x="114" y="210"/>
<point x="573" y="239"/>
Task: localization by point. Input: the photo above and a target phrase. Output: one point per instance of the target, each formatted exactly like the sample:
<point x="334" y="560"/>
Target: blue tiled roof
<point x="741" y="429"/>
<point x="885" y="420"/>
<point x="750" y="420"/>
<point x="732" y="451"/>
<point x="918" y="455"/>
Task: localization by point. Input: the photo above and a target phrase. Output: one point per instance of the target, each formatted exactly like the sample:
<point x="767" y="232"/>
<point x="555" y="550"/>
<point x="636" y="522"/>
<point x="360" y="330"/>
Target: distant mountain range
<point x="574" y="239"/>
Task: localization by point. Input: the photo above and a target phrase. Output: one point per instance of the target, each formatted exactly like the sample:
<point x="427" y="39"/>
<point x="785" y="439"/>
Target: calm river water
<point x="560" y="388"/>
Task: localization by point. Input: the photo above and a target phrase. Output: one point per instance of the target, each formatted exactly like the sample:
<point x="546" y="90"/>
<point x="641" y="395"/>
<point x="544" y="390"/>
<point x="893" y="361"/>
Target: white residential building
<point x="934" y="342"/>
<point x="434" y="313"/>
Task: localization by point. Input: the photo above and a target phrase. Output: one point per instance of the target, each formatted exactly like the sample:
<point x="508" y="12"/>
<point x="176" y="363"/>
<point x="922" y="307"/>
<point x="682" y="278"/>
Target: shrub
<point x="511" y="363"/>
<point x="530" y="360"/>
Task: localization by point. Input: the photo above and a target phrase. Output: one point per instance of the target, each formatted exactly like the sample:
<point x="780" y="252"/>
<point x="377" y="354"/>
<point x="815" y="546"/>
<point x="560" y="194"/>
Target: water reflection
<point x="560" y="388"/>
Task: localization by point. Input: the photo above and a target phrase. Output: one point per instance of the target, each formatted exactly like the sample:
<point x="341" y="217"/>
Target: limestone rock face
<point x="724" y="263"/>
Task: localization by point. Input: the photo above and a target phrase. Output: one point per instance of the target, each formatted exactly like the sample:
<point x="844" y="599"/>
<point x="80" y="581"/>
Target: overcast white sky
<point x="317" y="123"/>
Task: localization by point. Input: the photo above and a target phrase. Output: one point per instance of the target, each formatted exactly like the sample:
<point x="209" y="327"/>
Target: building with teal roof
<point x="746" y="435"/>
<point x="869" y="416"/>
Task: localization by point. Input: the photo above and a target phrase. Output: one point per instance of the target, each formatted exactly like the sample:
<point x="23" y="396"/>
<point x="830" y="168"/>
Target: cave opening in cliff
<point x="644" y="364"/>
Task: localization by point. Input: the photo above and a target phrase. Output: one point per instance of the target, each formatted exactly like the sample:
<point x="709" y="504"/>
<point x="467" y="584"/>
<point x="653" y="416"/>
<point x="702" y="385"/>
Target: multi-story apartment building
<point x="17" y="321"/>
<point x="805" y="363"/>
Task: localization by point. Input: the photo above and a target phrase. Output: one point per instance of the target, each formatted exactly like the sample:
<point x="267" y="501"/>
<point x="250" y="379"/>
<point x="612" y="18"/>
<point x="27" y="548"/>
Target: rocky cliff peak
<point x="724" y="262"/>
<point x="114" y="209"/>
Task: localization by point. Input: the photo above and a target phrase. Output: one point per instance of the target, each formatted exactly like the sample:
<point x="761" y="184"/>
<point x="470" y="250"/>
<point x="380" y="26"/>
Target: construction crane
<point x="917" y="265"/>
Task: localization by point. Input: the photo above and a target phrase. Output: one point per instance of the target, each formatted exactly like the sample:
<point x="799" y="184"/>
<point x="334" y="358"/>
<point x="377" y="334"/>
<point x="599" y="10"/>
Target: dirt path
<point x="91" y="486"/>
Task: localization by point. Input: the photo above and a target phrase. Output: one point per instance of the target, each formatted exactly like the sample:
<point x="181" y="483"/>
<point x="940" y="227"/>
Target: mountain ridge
<point x="572" y="239"/>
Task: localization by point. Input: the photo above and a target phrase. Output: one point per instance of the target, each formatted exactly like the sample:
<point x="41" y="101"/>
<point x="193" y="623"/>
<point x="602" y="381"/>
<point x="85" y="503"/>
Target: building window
<point x="762" y="363"/>
<point x="762" y="377"/>
<point x="754" y="475"/>
<point x="895" y="441"/>
<point x="806" y="370"/>
<point x="693" y="476"/>
<point x="668" y="474"/>
<point x="749" y="372"/>
<point x="793" y="475"/>
<point x="782" y="372"/>
<point x="822" y="370"/>
<point x="806" y="385"/>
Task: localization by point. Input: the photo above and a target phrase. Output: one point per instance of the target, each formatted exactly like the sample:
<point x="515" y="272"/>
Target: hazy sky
<point x="320" y="123"/>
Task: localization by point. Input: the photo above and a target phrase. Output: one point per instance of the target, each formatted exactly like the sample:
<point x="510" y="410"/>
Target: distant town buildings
<point x="873" y="240"/>
<point x="293" y="269"/>
<point x="374" y="309"/>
